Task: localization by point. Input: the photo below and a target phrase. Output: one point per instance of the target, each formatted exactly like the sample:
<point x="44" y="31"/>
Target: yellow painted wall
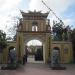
<point x="66" y="56"/>
<point x="66" y="53"/>
<point x="4" y="54"/>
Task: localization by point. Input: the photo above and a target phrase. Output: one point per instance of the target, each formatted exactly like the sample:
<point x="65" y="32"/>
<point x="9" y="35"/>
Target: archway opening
<point x="12" y="55"/>
<point x="34" y="50"/>
<point x="57" y="49"/>
<point x="55" y="56"/>
<point x="11" y="47"/>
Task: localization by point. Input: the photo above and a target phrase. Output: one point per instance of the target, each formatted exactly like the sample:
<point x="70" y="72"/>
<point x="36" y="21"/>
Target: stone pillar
<point x="47" y="47"/>
<point x="44" y="57"/>
<point x="5" y="56"/>
<point x="0" y="58"/>
<point x="71" y="53"/>
<point x="20" y="46"/>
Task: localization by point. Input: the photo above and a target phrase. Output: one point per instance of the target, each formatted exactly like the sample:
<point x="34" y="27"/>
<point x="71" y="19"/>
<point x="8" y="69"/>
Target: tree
<point x="58" y="31"/>
<point x="15" y="37"/>
<point x="61" y="32"/>
<point x="3" y="42"/>
<point x="66" y="33"/>
<point x="73" y="42"/>
<point x="15" y="22"/>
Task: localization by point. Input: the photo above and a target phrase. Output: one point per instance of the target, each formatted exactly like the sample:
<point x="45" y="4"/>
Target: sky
<point x="10" y="11"/>
<point x="34" y="43"/>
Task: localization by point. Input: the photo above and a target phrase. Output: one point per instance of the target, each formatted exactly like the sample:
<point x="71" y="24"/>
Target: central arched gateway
<point x="33" y="25"/>
<point x="41" y="39"/>
<point x="34" y="50"/>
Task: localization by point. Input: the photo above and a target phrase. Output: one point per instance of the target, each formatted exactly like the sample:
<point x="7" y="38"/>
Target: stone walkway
<point x="39" y="69"/>
<point x="31" y="59"/>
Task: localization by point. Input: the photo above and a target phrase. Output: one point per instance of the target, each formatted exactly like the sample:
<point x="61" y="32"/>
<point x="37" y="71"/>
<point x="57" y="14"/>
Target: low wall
<point x="66" y="51"/>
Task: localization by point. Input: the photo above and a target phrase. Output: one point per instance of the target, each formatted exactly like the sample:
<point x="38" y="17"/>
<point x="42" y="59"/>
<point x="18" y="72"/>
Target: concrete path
<point x="39" y="69"/>
<point x="31" y="59"/>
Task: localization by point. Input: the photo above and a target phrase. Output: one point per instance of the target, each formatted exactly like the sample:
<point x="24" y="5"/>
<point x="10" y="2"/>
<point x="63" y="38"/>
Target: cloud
<point x="58" y="6"/>
<point x="7" y="5"/>
<point x="8" y="9"/>
<point x="68" y="22"/>
<point x="3" y="22"/>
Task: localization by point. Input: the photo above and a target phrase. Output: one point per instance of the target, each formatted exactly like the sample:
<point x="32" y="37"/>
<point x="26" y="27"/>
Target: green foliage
<point x="3" y="42"/>
<point x="73" y="35"/>
<point x="15" y="37"/>
<point x="60" y="33"/>
<point x="73" y="43"/>
<point x="58" y="30"/>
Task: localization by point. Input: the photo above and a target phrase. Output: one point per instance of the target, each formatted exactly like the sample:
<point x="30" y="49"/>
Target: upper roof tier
<point x="34" y="13"/>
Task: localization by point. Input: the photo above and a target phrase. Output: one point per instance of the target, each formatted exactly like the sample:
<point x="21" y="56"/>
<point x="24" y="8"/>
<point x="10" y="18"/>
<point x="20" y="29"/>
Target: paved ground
<point x="39" y="69"/>
<point x="31" y="59"/>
